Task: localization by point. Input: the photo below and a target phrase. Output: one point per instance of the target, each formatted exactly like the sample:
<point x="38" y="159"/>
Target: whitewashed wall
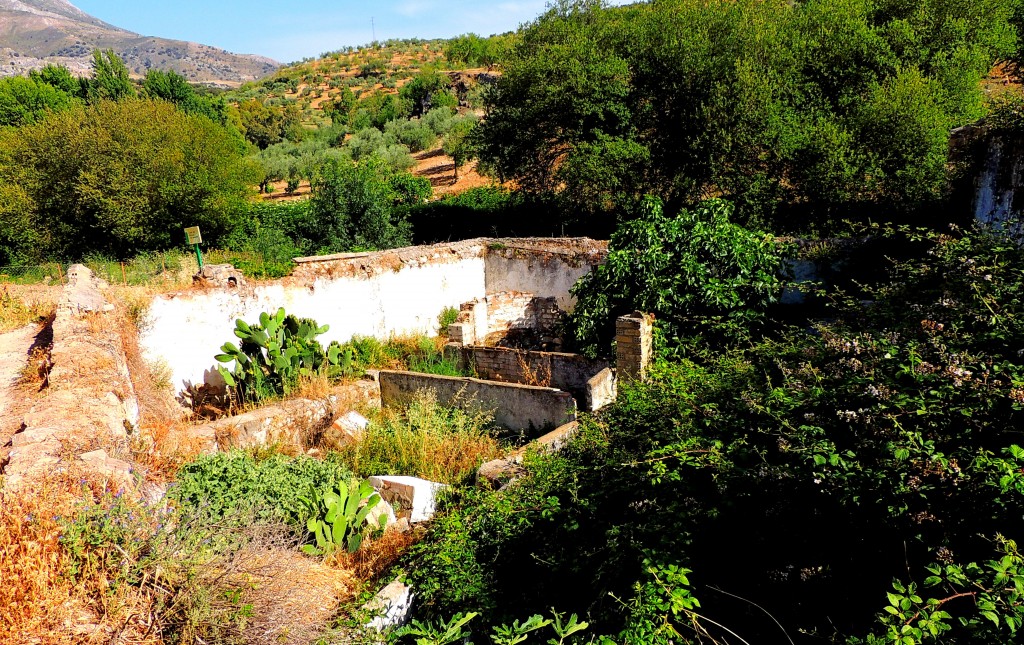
<point x="184" y="331"/>
<point x="542" y="273"/>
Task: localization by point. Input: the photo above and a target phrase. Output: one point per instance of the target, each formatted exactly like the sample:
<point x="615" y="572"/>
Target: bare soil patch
<point x="439" y="168"/>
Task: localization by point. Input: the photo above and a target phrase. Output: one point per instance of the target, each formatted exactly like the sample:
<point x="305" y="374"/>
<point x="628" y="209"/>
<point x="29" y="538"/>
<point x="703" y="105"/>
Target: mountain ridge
<point x="36" y="32"/>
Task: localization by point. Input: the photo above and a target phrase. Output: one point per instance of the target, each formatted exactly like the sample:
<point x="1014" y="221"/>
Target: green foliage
<point x="472" y="50"/>
<point x="371" y="142"/>
<point x="27" y="100"/>
<point x="110" y="78"/>
<point x="363" y="205"/>
<point x="802" y="114"/>
<point x="443" y="633"/>
<point x="167" y="557"/>
<point x="232" y="487"/>
<point x="116" y="178"/>
<point x="58" y="77"/>
<point x="171" y="86"/>
<point x="414" y="133"/>
<point x="376" y="110"/>
<point x="995" y="590"/>
<point x="340" y="516"/>
<point x="276" y="353"/>
<point x="339" y="109"/>
<point x="696" y="272"/>
<point x="263" y="124"/>
<point x="422" y="90"/>
<point x="459" y="143"/>
<point x="448" y="316"/>
<point x="440" y="120"/>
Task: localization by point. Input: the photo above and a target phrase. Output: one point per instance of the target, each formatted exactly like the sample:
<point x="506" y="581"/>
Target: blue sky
<point x="290" y="31"/>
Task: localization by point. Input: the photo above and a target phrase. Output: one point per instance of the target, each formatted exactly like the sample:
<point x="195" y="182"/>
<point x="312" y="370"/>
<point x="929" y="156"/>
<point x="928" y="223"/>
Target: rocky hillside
<point x="36" y="32"/>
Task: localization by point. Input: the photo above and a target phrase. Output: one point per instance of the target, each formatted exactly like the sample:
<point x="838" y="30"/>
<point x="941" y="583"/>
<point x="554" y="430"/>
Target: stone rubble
<point x="90" y="405"/>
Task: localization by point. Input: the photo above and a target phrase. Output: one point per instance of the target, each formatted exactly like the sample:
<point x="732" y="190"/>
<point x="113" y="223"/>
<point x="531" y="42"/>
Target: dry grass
<point x="125" y="572"/>
<point x="16" y="311"/>
<point x="36" y="599"/>
<point x="539" y="376"/>
<point x="375" y="557"/>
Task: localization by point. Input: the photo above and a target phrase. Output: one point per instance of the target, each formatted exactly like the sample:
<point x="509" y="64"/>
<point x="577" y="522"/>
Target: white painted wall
<point x="542" y="275"/>
<point x="184" y="331"/>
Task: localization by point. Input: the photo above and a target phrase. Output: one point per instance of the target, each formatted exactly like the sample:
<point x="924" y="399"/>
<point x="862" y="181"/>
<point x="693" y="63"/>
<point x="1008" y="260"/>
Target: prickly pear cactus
<point x="272" y="355"/>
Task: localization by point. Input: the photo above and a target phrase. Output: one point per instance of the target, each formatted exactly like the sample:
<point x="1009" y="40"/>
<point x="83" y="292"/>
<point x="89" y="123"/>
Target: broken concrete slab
<point x="601" y="390"/>
<point x="391" y="607"/>
<point x="413" y="493"/>
<point x="346" y="429"/>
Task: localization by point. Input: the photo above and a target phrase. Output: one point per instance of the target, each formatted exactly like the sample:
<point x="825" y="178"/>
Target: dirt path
<point x="14" y="348"/>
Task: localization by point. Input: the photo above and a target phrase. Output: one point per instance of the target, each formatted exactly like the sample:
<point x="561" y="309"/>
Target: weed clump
<point x="442" y="444"/>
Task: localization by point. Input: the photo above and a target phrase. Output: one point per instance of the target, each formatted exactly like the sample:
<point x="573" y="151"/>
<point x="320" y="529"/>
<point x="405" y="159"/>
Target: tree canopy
<point x="800" y="113"/>
<point x="116" y="177"/>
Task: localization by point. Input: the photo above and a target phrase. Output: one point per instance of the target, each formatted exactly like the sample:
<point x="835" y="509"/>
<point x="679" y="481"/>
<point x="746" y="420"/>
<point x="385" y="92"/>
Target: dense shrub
<point x="697" y="272"/>
<point x="236" y="486"/>
<point x="116" y="178"/>
<point x="811" y="474"/>
<point x="363" y="205"/>
<point x="803" y="114"/>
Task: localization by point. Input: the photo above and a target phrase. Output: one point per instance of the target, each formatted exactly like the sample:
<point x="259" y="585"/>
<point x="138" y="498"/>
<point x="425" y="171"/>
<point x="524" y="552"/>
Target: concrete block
<point x="392" y="606"/>
<point x="346" y="429"/>
<point x="412" y="492"/>
<point x="601" y="390"/>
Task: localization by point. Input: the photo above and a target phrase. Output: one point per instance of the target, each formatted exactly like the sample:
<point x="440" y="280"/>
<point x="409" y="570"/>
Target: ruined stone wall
<point x="512" y="317"/>
<point x="569" y="372"/>
<point x="90" y="406"/>
<point x="543" y="267"/>
<point x="516" y="407"/>
<point x="401" y="291"/>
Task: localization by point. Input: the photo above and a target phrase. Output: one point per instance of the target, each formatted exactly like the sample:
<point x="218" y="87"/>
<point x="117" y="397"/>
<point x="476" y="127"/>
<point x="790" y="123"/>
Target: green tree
<point x="171" y="86"/>
<point x="339" y="109"/>
<point x="801" y="113"/>
<point x="459" y="144"/>
<point x="118" y="178"/>
<point x="26" y="100"/>
<point x="696" y="272"/>
<point x="264" y="125"/>
<point x="59" y="77"/>
<point x="110" y="79"/>
<point x="376" y="110"/>
<point x="419" y="92"/>
<point x="362" y="205"/>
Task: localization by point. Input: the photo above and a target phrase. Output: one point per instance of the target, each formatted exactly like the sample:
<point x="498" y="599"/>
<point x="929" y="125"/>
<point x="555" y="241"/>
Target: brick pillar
<point x="634" y="345"/>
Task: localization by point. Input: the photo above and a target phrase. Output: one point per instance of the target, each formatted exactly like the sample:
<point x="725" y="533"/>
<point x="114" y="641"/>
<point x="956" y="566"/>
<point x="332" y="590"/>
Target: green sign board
<point x="193" y="235"/>
<point x="195" y="239"/>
